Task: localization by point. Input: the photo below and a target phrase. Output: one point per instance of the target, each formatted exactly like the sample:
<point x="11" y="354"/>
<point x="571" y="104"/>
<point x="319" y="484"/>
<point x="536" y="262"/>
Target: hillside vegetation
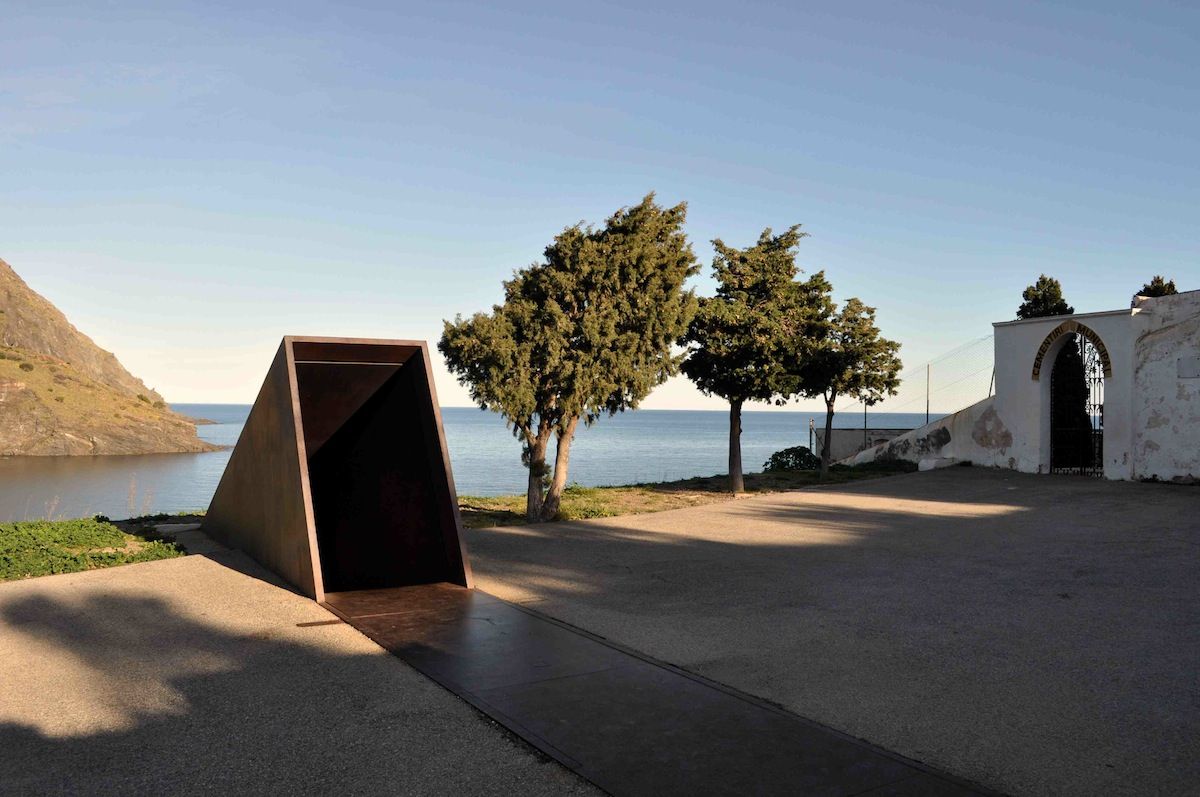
<point x="48" y="408"/>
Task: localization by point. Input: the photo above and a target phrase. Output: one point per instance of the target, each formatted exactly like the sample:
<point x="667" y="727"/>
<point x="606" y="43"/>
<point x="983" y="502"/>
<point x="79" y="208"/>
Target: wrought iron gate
<point x="1077" y="409"/>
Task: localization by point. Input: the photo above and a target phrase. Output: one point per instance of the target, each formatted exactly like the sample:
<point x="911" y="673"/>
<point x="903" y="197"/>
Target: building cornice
<point x="1058" y="319"/>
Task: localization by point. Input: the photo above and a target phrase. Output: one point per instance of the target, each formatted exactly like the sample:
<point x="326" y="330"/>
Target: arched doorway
<point x="1077" y="407"/>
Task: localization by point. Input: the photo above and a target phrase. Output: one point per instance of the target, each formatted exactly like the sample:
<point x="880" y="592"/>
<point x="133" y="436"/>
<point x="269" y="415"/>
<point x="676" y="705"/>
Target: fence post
<point x="927" y="368"/>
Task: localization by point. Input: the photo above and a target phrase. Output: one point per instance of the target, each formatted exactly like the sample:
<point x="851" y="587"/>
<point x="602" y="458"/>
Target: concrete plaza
<point x="198" y="675"/>
<point x="1035" y="634"/>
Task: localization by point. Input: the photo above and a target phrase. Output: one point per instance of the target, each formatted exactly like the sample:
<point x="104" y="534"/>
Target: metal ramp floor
<point x="628" y="724"/>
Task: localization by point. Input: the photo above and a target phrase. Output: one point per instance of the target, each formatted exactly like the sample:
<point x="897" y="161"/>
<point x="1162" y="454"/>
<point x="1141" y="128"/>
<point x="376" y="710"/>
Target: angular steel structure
<point x="340" y="480"/>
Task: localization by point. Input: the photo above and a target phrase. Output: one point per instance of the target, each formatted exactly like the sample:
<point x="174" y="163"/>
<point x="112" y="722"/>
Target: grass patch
<point x="592" y="502"/>
<point x="45" y="547"/>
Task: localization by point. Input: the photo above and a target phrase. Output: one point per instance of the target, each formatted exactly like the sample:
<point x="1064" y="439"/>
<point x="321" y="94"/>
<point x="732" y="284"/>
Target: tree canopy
<point x="1043" y="298"/>
<point x="738" y="340"/>
<point x="1158" y="286"/>
<point x="851" y="360"/>
<point x="585" y="332"/>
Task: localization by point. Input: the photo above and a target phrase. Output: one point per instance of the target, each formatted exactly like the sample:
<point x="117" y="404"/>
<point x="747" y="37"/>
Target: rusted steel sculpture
<point x="340" y="480"/>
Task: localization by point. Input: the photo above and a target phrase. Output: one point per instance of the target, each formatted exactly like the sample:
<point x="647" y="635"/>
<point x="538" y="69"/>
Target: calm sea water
<point x="642" y="446"/>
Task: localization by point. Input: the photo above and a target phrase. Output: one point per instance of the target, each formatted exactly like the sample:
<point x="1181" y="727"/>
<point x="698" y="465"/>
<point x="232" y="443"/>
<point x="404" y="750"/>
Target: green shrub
<point x="142" y="397"/>
<point x="794" y="458"/>
<point x="26" y="366"/>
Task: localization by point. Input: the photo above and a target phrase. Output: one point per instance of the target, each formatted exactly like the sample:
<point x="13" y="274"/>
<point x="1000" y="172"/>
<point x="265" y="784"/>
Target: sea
<point x="631" y="447"/>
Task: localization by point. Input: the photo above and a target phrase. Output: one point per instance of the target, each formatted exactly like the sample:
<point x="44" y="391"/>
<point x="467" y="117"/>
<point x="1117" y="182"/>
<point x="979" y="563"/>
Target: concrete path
<point x="1038" y="635"/>
<point x="188" y="677"/>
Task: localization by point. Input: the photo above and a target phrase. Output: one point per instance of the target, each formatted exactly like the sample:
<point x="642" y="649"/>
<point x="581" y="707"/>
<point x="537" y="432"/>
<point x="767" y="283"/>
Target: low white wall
<point x="1167" y="388"/>
<point x="845" y="443"/>
<point x="976" y="434"/>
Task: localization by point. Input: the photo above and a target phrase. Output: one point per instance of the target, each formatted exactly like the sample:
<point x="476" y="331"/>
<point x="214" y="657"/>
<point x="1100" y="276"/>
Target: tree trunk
<point x="736" y="484"/>
<point x="562" y="458"/>
<point x="536" y="455"/>
<point x="827" y="443"/>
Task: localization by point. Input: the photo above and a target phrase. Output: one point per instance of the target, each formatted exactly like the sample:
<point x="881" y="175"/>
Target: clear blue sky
<point x="189" y="182"/>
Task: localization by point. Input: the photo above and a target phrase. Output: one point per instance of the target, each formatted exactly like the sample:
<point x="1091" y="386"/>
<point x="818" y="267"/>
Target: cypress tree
<point x="586" y="332"/>
<point x="741" y="340"/>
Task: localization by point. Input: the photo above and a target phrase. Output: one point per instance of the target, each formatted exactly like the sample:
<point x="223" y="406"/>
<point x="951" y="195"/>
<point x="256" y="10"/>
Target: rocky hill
<point x="60" y="393"/>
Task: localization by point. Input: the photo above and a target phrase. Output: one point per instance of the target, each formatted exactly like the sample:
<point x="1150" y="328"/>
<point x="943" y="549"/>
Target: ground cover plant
<point x="44" y="547"/>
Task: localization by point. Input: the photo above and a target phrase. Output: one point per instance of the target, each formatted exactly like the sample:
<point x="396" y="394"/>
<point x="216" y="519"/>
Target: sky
<point x="189" y="182"/>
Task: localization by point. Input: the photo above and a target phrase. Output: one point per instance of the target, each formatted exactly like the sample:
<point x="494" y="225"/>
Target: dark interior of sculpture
<point x="379" y="486"/>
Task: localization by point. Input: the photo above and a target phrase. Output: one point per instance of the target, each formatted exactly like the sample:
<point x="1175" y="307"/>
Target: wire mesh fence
<point x="945" y="384"/>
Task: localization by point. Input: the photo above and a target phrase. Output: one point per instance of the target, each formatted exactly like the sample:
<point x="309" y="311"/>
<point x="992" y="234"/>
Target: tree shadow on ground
<point x="174" y="704"/>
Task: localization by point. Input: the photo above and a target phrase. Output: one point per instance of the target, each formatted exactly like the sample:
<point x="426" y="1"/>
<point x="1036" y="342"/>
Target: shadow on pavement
<point x="177" y="706"/>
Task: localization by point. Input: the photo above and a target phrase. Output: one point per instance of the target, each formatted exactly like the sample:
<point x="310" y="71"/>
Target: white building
<point x="1143" y="369"/>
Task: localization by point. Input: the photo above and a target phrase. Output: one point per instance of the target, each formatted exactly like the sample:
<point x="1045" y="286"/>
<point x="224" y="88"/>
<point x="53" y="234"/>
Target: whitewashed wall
<point x="1151" y="397"/>
<point x="1024" y="402"/>
<point x="1166" y="443"/>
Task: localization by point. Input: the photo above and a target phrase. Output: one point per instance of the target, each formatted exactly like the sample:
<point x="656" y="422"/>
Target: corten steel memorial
<point x="340" y="480"/>
<point x="340" y="483"/>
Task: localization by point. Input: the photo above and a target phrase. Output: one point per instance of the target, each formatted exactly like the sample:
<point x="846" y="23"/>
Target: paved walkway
<point x="188" y="677"/>
<point x="630" y="725"/>
<point x="1039" y="635"/>
<point x="1034" y="634"/>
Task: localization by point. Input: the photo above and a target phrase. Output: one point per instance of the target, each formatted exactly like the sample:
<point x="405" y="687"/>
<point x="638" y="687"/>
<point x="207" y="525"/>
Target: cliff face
<point x="60" y="393"/>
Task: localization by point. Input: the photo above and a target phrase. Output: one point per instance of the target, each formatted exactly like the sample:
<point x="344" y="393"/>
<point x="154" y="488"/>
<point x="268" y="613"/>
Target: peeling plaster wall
<point x="1166" y="394"/>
